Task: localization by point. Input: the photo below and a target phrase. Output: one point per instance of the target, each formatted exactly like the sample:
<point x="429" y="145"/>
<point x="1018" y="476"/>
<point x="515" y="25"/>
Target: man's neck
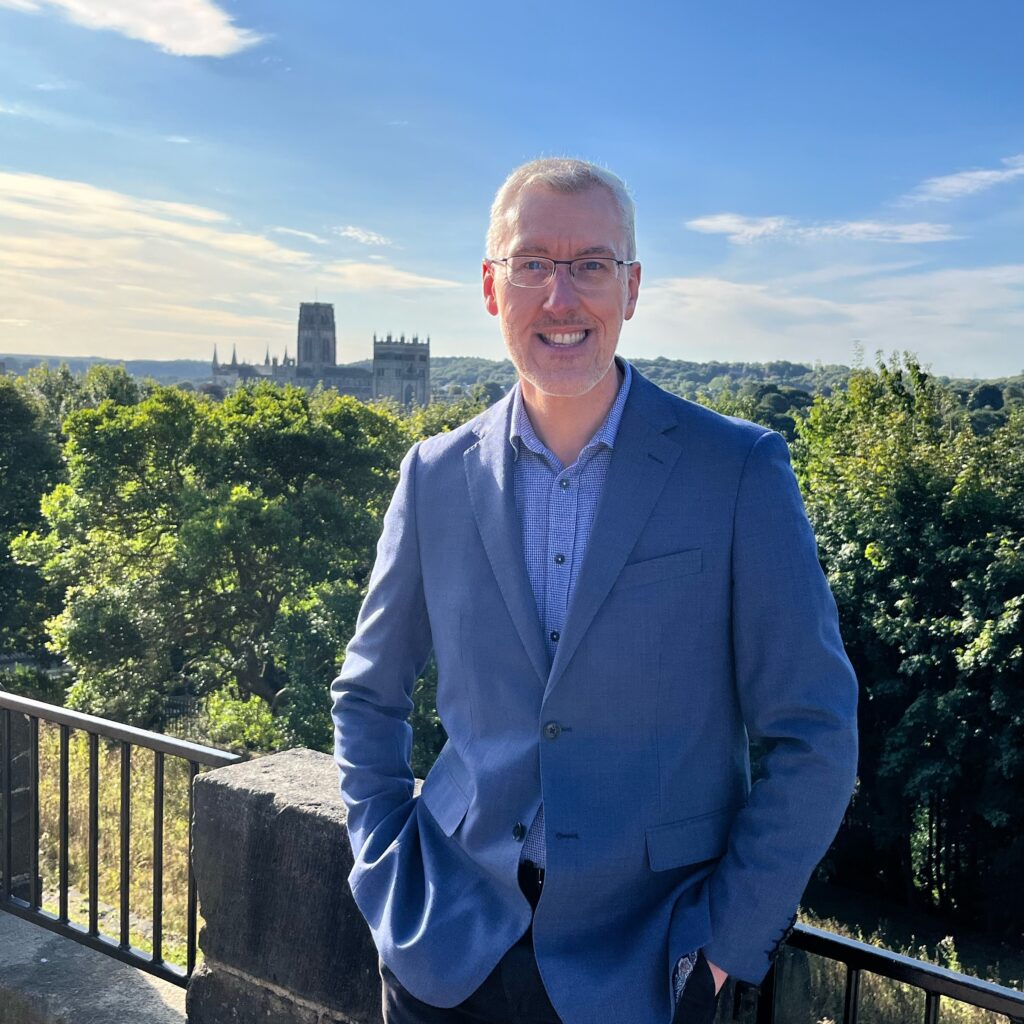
<point x="566" y="423"/>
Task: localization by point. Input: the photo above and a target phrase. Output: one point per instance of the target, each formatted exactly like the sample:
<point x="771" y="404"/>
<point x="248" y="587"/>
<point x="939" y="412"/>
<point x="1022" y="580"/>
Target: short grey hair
<point x="560" y="174"/>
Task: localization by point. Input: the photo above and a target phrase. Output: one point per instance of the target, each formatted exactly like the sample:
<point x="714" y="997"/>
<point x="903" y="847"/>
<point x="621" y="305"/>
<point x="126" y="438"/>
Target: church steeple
<point x="216" y="365"/>
<point x="234" y="356"/>
<point x="266" y="360"/>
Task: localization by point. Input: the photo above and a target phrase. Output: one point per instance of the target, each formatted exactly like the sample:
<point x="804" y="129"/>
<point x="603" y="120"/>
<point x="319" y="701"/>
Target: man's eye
<point x="531" y="265"/>
<point x="592" y="267"/>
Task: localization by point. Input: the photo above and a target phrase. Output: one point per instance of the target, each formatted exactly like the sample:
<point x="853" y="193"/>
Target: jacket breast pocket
<point x="445" y="798"/>
<point x="664" y="567"/>
<point x="689" y="840"/>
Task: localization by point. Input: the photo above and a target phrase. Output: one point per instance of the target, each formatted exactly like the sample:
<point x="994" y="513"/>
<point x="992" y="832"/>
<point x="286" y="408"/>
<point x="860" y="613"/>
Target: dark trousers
<point x="513" y="993"/>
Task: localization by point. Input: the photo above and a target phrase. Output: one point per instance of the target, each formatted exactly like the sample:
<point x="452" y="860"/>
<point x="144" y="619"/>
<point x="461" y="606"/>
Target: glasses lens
<point x="529" y="271"/>
<point x="593" y="273"/>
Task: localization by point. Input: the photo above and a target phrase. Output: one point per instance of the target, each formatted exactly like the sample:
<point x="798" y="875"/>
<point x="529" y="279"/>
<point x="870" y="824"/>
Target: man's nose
<point x="562" y="293"/>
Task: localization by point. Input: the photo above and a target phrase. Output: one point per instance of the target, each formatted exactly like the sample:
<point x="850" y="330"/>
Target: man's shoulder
<point x="453" y="444"/>
<point x="695" y="423"/>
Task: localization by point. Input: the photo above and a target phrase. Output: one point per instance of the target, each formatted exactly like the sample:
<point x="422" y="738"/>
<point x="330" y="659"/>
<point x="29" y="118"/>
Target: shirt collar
<point x="521" y="429"/>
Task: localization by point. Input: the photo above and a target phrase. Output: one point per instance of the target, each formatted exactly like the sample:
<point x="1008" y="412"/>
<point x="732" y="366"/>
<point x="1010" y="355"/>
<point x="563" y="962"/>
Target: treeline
<point x="775" y="393"/>
<point x="164" y="544"/>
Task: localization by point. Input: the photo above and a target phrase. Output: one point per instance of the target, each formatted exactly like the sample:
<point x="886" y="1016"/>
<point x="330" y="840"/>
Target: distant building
<point x="401" y="369"/>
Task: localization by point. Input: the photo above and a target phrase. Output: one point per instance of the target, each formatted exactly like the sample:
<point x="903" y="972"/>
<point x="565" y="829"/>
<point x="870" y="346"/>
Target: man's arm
<point x="373" y="693"/>
<point x="798" y="696"/>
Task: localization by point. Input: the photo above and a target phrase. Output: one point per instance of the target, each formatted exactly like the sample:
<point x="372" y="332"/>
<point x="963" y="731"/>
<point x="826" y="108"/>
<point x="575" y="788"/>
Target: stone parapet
<point x="283" y="940"/>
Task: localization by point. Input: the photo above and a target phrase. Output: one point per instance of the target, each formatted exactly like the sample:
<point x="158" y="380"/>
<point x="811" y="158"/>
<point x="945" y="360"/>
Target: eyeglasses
<point x="589" y="273"/>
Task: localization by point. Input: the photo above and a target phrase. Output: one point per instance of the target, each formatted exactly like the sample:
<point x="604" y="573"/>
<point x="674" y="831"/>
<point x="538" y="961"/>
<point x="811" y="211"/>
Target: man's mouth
<point x="564" y="339"/>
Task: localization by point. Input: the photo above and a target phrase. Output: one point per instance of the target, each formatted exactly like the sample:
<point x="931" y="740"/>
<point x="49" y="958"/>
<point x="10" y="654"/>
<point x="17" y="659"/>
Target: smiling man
<point x="621" y="590"/>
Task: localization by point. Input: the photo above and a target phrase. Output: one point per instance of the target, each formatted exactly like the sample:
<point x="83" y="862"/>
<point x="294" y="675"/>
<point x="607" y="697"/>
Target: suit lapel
<point x="490" y="476"/>
<point x="641" y="462"/>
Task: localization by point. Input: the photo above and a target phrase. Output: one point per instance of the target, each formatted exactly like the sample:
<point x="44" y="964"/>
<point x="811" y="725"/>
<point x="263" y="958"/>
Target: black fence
<point x="778" y="1001"/>
<point x="781" y="1001"/>
<point x="22" y="892"/>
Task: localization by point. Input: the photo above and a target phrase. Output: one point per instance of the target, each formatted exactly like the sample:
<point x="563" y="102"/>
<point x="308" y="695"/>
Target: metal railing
<point x="860" y="958"/>
<point x="126" y="737"/>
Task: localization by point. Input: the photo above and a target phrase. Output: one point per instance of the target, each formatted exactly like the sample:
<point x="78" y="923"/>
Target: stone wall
<point x="283" y="939"/>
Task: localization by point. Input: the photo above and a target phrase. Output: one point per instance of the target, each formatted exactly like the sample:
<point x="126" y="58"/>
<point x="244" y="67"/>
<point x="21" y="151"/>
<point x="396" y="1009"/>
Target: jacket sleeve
<point x="373" y="694"/>
<point x="798" y="698"/>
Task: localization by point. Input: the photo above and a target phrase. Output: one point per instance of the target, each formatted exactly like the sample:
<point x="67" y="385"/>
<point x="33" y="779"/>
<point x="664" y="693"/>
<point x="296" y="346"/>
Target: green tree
<point x="921" y="529"/>
<point x="211" y="547"/>
<point x="29" y="467"/>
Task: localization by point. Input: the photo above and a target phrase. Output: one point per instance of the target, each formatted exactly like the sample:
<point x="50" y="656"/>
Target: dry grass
<point x="175" y="840"/>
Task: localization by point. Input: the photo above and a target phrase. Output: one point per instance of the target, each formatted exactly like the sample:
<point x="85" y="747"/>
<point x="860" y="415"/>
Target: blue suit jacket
<point x="700" y="619"/>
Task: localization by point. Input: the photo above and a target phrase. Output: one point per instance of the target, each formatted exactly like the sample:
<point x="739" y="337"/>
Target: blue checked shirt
<point x="556" y="506"/>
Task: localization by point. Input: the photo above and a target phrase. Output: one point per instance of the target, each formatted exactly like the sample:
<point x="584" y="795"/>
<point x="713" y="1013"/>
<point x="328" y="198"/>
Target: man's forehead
<point x="533" y="223"/>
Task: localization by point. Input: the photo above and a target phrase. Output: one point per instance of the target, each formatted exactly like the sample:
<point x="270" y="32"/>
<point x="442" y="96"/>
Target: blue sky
<point x="808" y="176"/>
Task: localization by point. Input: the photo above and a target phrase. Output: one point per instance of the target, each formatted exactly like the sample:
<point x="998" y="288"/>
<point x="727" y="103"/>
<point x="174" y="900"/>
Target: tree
<point x="215" y="548"/>
<point x="29" y="467"/>
<point x="920" y="525"/>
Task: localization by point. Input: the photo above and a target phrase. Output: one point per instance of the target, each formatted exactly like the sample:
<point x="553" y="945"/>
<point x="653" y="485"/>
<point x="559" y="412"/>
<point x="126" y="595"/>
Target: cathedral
<point x="401" y="368"/>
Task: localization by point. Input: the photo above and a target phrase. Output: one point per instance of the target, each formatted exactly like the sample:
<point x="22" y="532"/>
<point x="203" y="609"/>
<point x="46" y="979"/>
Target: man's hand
<point x="719" y="975"/>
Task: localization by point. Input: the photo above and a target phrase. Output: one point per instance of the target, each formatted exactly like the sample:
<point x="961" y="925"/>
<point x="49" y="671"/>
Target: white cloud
<point x="308" y="235"/>
<point x="57" y="86"/>
<point x="90" y="270"/>
<point x="185" y="28"/>
<point x="742" y="230"/>
<point x="362" y="236"/>
<point x="961" y="321"/>
<point x="180" y="140"/>
<point x="381" y="277"/>
<point x="737" y="228"/>
<point x="82" y="209"/>
<point x="965" y="183"/>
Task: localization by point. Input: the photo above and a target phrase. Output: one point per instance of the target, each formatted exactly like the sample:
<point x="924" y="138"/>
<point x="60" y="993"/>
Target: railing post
<point x="16" y="823"/>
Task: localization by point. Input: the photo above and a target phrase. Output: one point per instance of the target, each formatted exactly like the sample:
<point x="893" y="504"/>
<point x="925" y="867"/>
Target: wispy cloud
<point x="81" y="209"/>
<point x="965" y="183"/>
<point x="381" y="277"/>
<point x="742" y="230"/>
<point x="185" y="28"/>
<point x="307" y="235"/>
<point x="362" y="236"/>
<point x="737" y="228"/>
<point x="957" y="319"/>
<point x="141" y="276"/>
<point x="56" y="86"/>
<point x="179" y="140"/>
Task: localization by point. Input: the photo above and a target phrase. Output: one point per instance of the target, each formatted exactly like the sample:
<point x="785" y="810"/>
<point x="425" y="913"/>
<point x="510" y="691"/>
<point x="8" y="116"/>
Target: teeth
<point x="565" y="339"/>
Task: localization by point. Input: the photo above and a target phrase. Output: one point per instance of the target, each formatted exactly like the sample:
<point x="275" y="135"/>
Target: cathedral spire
<point x="216" y="365"/>
<point x="234" y="356"/>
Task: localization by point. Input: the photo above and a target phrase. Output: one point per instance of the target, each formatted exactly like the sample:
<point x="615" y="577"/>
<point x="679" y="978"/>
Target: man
<point x="621" y="590"/>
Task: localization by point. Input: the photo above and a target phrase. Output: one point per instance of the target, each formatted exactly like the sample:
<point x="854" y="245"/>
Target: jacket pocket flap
<point x="690" y="840"/>
<point x="445" y="798"/>
<point x="665" y="567"/>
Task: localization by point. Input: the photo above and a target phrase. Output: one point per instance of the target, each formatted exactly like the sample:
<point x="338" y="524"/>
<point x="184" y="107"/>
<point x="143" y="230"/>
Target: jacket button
<point x="518" y="831"/>
<point x="552" y="730"/>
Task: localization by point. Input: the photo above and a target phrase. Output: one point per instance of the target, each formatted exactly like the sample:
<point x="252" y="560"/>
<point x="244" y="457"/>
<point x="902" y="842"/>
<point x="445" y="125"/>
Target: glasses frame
<point x="555" y="265"/>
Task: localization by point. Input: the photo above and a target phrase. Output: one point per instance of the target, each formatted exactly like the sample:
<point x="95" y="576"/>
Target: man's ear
<point x="632" y="290"/>
<point x="490" y="300"/>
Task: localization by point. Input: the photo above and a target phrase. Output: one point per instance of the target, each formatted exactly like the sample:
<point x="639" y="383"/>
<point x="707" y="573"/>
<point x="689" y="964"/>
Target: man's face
<point x="562" y="341"/>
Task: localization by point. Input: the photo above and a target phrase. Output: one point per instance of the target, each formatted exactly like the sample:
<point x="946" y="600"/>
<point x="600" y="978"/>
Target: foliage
<point x="207" y="545"/>
<point x="29" y="466"/>
<point x="920" y="524"/>
<point x="33" y="682"/>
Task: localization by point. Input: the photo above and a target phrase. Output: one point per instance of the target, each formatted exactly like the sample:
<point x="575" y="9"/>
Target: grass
<point x="810" y="989"/>
<point x="175" y="840"/>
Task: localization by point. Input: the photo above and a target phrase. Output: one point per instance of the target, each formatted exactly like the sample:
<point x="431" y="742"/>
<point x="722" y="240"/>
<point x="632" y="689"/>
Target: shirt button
<point x="559" y="559"/>
<point x="555" y="636"/>
<point x="552" y="730"/>
<point x="564" y="484"/>
<point x="518" y="831"/>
